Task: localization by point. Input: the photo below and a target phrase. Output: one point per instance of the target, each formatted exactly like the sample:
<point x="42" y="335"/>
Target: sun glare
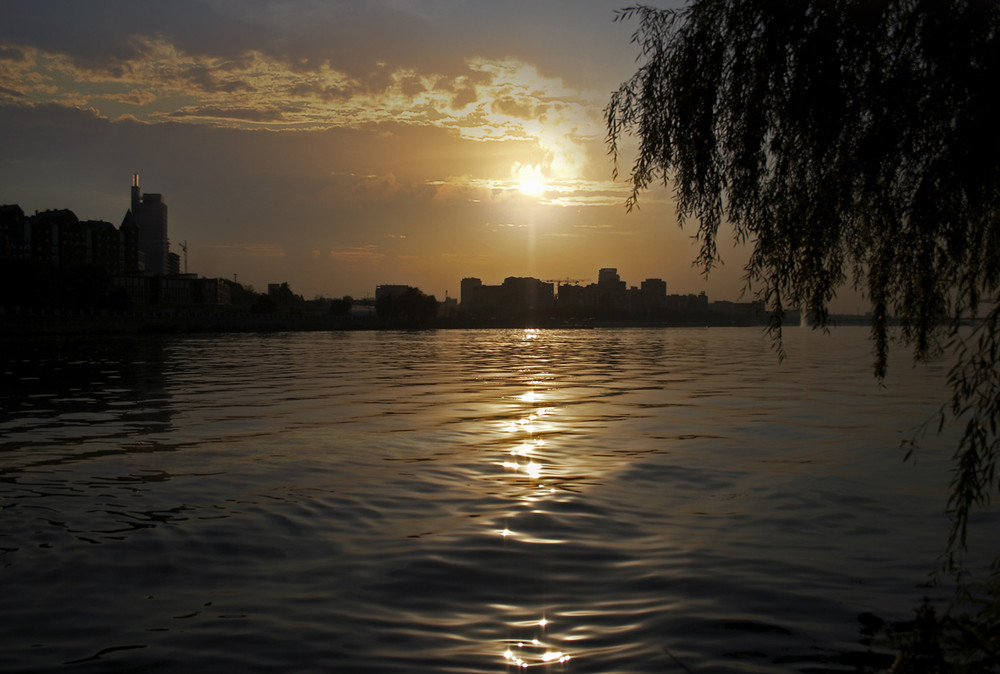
<point x="532" y="187"/>
<point x="530" y="179"/>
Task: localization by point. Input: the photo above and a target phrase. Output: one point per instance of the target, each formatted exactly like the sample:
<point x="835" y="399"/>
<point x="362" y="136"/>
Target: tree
<point x="410" y="308"/>
<point x="846" y="142"/>
<point x="285" y="299"/>
<point x="341" y="307"/>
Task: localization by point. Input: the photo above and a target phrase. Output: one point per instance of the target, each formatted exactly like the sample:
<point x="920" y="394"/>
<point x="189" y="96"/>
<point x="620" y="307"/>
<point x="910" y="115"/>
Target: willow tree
<point x="847" y="143"/>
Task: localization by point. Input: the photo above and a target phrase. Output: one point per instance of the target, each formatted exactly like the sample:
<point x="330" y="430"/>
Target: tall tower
<point x="136" y="193"/>
<point x="150" y="215"/>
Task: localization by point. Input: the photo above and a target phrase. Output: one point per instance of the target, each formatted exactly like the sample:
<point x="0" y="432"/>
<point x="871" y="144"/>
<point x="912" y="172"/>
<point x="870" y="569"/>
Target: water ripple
<point x="467" y="501"/>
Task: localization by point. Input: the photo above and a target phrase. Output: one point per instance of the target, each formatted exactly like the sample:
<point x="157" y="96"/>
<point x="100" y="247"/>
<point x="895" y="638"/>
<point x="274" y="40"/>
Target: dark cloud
<point x="412" y="85"/>
<point x="208" y="80"/>
<point x="324" y="92"/>
<point x="463" y="96"/>
<point x="8" y="53"/>
<point x="508" y="105"/>
<point x="135" y="97"/>
<point x="378" y="80"/>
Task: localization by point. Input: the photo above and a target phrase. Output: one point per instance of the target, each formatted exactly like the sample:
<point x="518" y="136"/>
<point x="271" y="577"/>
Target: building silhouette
<point x="135" y="256"/>
<point x="149" y="213"/>
<point x="390" y="290"/>
<point x="611" y="297"/>
<point x="521" y="298"/>
<point x="57" y="237"/>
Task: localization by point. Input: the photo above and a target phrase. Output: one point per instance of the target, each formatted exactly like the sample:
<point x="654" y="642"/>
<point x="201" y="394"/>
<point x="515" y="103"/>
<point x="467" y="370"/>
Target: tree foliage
<point x="848" y="142"/>
<point x="409" y="309"/>
<point x="341" y="307"/>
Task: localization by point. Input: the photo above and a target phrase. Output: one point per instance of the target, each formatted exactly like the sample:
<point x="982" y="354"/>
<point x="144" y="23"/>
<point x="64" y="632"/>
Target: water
<point x="461" y="501"/>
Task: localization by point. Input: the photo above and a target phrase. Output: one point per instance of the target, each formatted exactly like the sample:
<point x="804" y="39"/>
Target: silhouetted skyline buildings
<point x="58" y="237"/>
<point x="610" y="296"/>
<point x="137" y="259"/>
<point x="534" y="302"/>
<point x="140" y="245"/>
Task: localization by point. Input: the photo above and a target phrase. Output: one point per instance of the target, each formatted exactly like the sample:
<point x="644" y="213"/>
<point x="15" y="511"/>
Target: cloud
<point x="411" y="85"/>
<point x="16" y="75"/>
<point x="10" y="93"/>
<point x="251" y="250"/>
<point x="496" y="227"/>
<point x="135" y="97"/>
<point x="159" y="78"/>
<point x="357" y="254"/>
<point x="464" y="96"/>
<point x="13" y="53"/>
<point x="238" y="114"/>
<point x="381" y="188"/>
<point x="514" y="107"/>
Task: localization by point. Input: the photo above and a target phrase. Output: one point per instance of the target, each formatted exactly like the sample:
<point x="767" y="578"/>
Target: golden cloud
<point x="490" y="99"/>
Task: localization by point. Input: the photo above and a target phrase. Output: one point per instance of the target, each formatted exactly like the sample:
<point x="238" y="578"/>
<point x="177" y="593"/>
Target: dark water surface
<point x="461" y="501"/>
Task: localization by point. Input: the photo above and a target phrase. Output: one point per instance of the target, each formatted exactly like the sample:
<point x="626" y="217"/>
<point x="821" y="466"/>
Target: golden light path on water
<point x="527" y="458"/>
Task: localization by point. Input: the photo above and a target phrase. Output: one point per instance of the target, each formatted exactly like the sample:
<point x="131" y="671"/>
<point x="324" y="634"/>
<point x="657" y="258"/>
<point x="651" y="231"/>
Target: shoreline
<point x="83" y="323"/>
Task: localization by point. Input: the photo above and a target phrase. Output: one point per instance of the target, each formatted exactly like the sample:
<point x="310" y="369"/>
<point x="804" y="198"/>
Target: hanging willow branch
<point x="846" y="142"/>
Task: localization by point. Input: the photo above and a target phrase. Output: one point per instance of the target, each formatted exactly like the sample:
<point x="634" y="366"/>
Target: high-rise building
<point x="609" y="280"/>
<point x="150" y="216"/>
<point x="470" y="286"/>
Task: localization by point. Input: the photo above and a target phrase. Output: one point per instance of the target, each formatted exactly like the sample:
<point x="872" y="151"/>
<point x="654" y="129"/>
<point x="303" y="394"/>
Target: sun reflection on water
<point x="524" y="653"/>
<point x="526" y="459"/>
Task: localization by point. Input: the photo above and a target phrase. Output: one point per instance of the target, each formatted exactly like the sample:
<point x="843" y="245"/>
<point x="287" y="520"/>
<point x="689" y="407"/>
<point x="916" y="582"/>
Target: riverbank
<point x="114" y="323"/>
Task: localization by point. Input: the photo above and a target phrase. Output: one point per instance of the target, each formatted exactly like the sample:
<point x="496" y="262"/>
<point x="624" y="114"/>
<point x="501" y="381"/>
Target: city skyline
<point x="60" y="237"/>
<point x="339" y="146"/>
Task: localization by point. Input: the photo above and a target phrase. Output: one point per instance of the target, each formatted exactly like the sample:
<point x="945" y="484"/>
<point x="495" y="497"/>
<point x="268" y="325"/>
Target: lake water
<point x="641" y="500"/>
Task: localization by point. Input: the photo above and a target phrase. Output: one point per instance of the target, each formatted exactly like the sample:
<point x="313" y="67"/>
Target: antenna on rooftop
<point x="184" y="247"/>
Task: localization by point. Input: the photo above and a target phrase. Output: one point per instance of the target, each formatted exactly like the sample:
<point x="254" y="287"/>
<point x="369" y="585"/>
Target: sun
<point x="530" y="179"/>
<point x="532" y="187"/>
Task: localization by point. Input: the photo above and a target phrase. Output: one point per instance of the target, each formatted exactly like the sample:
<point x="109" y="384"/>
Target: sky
<point x="337" y="144"/>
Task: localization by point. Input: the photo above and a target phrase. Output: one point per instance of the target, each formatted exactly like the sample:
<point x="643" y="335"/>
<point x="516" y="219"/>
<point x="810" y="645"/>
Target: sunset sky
<point x="337" y="145"/>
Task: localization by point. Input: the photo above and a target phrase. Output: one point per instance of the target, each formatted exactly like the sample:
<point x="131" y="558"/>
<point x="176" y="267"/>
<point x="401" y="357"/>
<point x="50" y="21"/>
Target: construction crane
<point x="184" y="247"/>
<point x="565" y="281"/>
